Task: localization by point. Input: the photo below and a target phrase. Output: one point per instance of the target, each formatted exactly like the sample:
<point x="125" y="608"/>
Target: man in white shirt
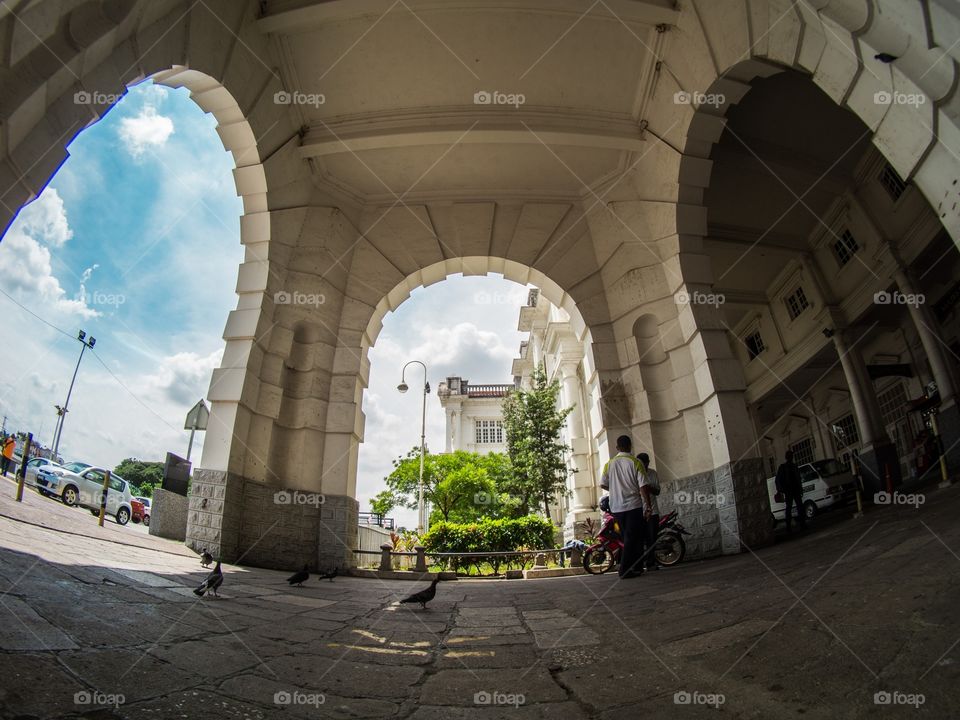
<point x="653" y="522"/>
<point x="623" y="476"/>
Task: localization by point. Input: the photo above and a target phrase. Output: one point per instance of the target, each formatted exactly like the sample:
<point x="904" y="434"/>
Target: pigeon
<point x="205" y="558"/>
<point x="213" y="581"/>
<point x="329" y="576"/>
<point x="298" y="578"/>
<point x="424" y="596"/>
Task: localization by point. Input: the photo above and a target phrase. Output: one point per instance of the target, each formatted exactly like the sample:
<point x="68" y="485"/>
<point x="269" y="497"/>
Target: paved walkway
<point x="810" y="628"/>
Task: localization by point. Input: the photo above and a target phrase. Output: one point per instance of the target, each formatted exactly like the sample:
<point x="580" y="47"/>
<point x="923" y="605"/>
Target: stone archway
<point x="596" y="185"/>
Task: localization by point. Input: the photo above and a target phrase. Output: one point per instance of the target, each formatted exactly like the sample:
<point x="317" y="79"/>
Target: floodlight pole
<point x="85" y="343"/>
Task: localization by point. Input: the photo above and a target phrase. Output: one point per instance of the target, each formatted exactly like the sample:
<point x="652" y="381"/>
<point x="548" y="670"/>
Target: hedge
<point x="489" y="535"/>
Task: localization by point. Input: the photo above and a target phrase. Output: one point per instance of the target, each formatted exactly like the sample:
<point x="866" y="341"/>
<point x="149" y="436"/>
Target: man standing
<point x="653" y="522"/>
<point x="624" y="478"/>
<point x="9" y="443"/>
<point x="790" y="485"/>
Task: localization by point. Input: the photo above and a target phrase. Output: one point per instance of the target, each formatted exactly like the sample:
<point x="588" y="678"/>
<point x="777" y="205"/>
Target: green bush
<point x="489" y="535"/>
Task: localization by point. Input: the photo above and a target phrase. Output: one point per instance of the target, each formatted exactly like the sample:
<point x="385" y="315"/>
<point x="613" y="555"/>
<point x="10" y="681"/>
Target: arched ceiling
<point x="388" y="93"/>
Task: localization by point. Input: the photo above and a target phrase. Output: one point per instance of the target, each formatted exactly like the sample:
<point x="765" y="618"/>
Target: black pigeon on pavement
<point x="213" y="581"/>
<point x="425" y="595"/>
<point x="205" y="558"/>
<point x="298" y="578"/>
<point x="329" y="576"/>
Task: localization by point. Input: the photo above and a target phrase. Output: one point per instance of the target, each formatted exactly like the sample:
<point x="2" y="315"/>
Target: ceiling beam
<point x="309" y="17"/>
<point x="473" y="125"/>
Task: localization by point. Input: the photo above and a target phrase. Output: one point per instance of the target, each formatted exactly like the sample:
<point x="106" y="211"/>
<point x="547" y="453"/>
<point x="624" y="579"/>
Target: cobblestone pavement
<point x="102" y="623"/>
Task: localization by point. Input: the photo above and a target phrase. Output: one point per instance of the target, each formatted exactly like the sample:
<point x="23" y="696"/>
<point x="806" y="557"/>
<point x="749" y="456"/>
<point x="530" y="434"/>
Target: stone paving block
<point x="482" y="640"/>
<point x="540" y="711"/>
<point x="291" y="701"/>
<point x="463" y="687"/>
<point x="741" y="633"/>
<point x="24" y="629"/>
<point x="300" y="601"/>
<point x="132" y="673"/>
<point x="349" y="679"/>
<point x="210" y="657"/>
<point x="191" y="704"/>
<point x="686" y="593"/>
<point x="23" y="675"/>
<point x="566" y="638"/>
<point x="505" y="656"/>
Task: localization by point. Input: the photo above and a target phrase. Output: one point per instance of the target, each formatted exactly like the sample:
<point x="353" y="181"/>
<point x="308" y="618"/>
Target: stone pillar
<point x="877" y="455"/>
<point x="580" y="483"/>
<point x="948" y="420"/>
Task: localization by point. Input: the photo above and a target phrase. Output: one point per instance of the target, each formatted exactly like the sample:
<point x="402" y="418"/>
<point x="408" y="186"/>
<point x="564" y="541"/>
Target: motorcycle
<point x="604" y="554"/>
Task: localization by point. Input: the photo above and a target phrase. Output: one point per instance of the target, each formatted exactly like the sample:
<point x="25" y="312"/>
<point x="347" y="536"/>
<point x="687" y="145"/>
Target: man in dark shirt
<point x="790" y="485"/>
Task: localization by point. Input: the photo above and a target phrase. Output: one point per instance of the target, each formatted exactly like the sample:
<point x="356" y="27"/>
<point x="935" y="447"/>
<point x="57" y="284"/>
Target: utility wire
<point x="99" y="359"/>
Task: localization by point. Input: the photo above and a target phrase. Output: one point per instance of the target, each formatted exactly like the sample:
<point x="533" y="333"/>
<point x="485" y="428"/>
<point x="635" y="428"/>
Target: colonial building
<point x="634" y="160"/>
<point x="474" y="415"/>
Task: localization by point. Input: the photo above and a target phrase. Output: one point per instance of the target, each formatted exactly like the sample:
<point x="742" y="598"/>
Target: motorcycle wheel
<point x="670" y="548"/>
<point x="597" y="561"/>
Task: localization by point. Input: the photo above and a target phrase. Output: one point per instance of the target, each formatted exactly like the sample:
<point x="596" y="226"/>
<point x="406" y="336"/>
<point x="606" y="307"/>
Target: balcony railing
<point x="488" y="390"/>
<point x="367" y="518"/>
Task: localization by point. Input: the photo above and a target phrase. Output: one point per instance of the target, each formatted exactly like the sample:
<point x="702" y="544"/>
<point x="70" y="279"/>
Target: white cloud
<point x="146" y="129"/>
<point x="25" y="260"/>
<point x="183" y="378"/>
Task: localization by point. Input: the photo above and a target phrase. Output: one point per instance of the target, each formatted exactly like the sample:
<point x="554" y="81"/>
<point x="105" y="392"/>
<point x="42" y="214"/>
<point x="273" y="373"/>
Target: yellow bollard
<point x="103" y="497"/>
<point x="943" y="457"/>
<point x="22" y="472"/>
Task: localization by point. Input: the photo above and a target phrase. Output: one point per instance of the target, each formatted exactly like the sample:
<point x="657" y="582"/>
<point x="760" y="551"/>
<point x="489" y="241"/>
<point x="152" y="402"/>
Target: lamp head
<point x="403" y="387"/>
<point x="82" y="335"/>
<point x="93" y="341"/>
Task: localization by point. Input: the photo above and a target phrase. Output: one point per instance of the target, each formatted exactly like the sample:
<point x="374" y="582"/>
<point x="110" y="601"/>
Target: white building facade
<point x="474" y="415"/>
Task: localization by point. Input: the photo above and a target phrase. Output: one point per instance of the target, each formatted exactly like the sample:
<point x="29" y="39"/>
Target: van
<point x="826" y="483"/>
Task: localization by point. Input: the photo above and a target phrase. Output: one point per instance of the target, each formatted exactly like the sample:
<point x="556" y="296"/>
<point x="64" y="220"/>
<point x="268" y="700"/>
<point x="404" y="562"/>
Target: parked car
<point x="84" y="488"/>
<point x="825" y="483"/>
<point x="46" y="475"/>
<point x="33" y="466"/>
<point x="140" y="506"/>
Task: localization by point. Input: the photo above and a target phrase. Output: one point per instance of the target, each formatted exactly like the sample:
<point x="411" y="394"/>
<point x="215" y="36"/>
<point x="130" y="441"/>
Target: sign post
<point x="197" y="419"/>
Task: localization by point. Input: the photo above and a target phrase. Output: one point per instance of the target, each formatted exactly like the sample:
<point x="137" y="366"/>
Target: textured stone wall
<point x="252" y="523"/>
<point x="168" y="515"/>
<point x="726" y="509"/>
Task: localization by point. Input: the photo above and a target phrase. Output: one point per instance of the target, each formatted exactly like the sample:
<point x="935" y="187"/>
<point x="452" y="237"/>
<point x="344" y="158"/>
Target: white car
<point x="33" y="466"/>
<point x="825" y="483"/>
<point x="84" y="488"/>
<point x="45" y="475"/>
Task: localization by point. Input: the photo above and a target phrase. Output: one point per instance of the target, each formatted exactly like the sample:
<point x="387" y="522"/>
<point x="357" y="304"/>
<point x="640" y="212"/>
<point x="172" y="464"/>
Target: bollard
<point x="385" y="557"/>
<point x="22" y="473"/>
<point x="540" y="561"/>
<point x="576" y="557"/>
<point x="103" y="497"/>
<point x="421" y="566"/>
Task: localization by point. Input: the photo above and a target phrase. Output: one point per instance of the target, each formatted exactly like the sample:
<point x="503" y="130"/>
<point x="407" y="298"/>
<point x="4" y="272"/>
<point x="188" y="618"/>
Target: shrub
<point x="488" y="535"/>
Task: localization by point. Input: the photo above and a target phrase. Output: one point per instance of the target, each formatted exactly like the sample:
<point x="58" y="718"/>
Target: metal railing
<point x="511" y="557"/>
<point x="369" y="518"/>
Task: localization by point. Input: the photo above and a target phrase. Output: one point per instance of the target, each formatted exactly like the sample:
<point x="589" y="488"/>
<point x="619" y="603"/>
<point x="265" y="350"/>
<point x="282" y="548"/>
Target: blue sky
<point x="136" y="241"/>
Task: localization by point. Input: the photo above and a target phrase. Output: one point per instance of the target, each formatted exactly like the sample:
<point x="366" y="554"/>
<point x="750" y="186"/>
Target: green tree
<point x="460" y="486"/>
<point x="144" y="475"/>
<point x="532" y="424"/>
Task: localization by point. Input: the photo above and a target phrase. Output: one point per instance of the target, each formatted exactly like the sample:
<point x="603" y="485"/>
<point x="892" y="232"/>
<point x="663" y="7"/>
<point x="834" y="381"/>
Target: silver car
<point x="84" y="488"/>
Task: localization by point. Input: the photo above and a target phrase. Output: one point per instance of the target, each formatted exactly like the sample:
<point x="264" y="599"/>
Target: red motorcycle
<point x="604" y="555"/>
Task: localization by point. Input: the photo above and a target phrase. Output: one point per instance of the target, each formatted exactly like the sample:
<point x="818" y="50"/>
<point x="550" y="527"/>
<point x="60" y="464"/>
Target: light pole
<point x="403" y="387"/>
<point x="85" y="343"/>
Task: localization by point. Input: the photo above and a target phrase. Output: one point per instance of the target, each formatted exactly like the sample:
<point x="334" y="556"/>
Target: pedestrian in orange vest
<point x="8" y="444"/>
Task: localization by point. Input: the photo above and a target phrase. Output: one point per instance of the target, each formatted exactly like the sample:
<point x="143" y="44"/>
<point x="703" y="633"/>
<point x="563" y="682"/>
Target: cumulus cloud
<point x="183" y="378"/>
<point x="25" y="259"/>
<point x="148" y="129"/>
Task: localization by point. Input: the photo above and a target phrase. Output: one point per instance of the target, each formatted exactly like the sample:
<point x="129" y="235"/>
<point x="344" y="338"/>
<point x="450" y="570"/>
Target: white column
<point x="580" y="483"/>
<point x="855" y="372"/>
<point x="924" y="321"/>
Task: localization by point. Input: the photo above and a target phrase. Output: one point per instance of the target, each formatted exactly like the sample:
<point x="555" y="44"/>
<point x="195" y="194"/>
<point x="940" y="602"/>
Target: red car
<point x="140" y="512"/>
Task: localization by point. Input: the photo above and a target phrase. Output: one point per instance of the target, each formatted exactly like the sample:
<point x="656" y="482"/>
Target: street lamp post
<point x="403" y="387"/>
<point x="85" y="343"/>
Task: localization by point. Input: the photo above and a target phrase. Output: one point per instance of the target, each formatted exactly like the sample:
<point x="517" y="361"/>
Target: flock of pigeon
<point x="215" y="579"/>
